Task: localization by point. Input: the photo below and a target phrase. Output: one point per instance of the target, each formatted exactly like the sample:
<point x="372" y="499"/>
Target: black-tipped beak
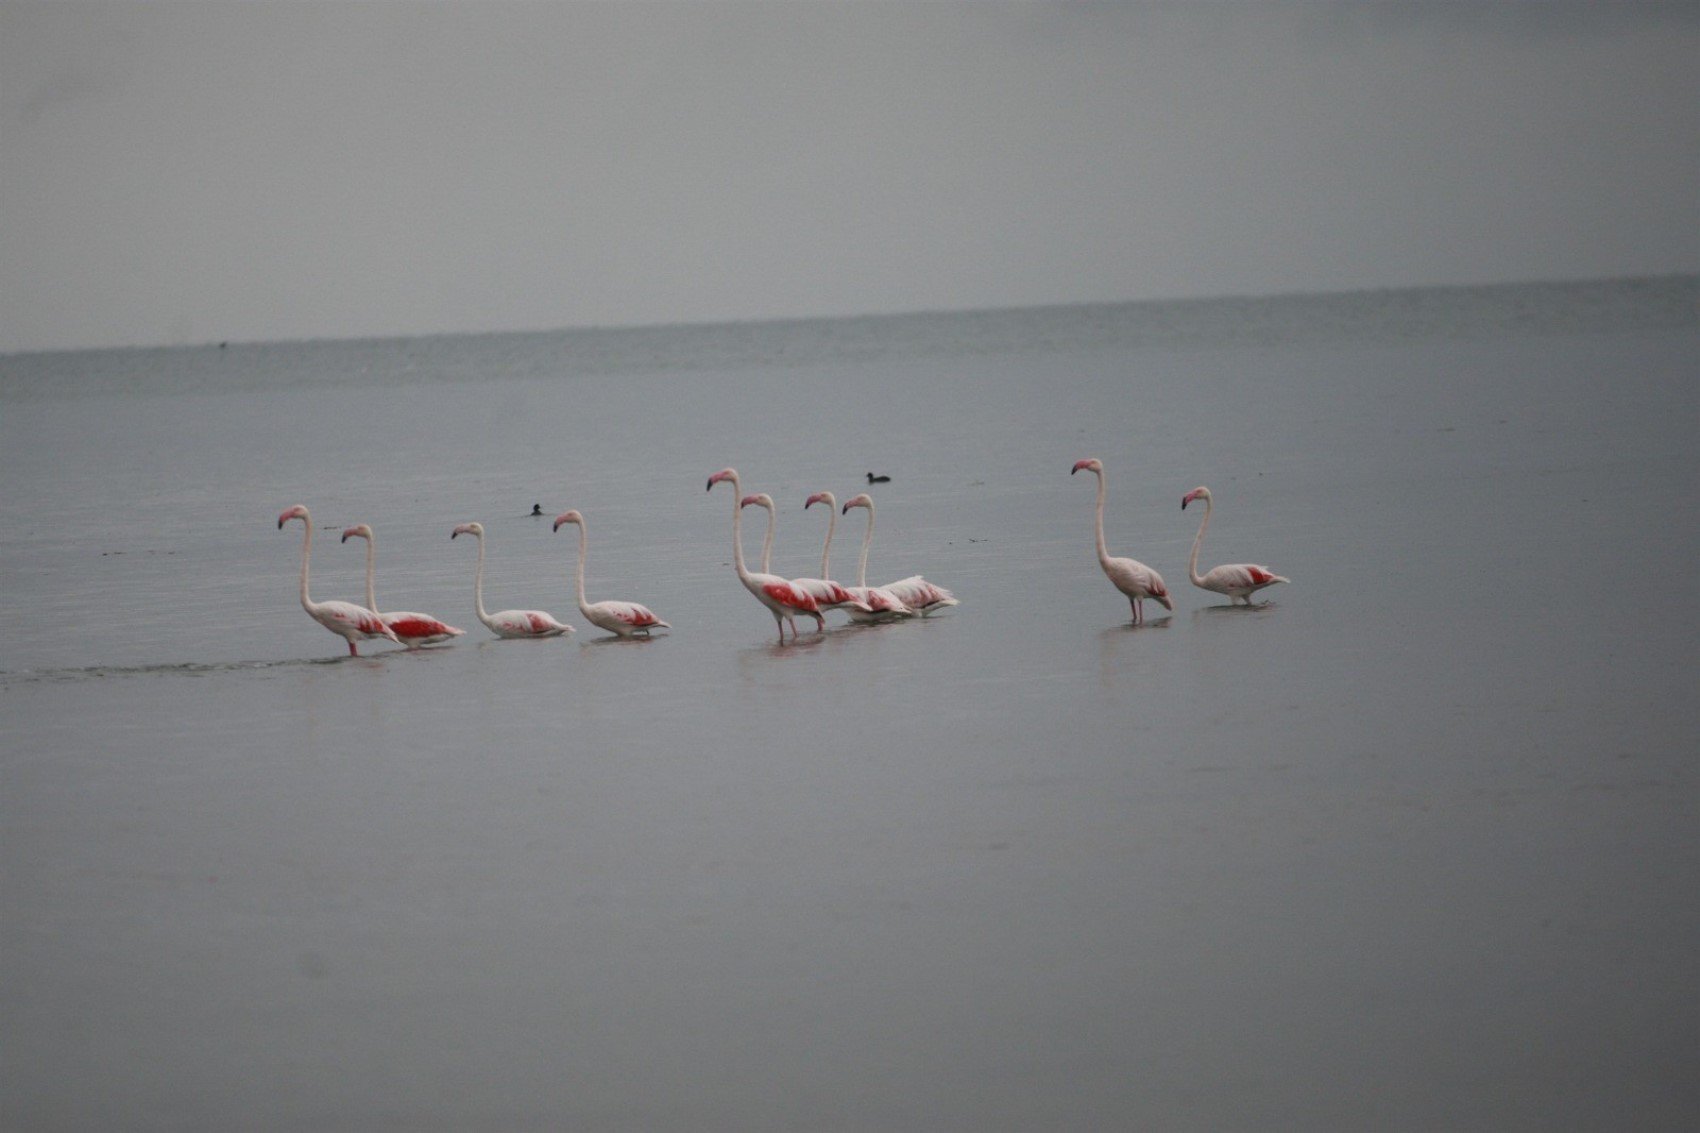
<point x="280" y="525"/>
<point x="1072" y="471"/>
<point x="345" y="537"/>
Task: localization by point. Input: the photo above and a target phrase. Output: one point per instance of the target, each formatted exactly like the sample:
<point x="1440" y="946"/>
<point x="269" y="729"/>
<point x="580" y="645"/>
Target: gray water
<point x="1412" y="846"/>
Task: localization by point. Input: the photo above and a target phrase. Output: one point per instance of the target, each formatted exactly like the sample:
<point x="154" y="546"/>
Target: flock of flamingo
<point x="784" y="598"/>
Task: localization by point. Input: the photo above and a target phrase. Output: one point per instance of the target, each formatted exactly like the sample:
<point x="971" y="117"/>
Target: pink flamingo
<point x="1239" y="581"/>
<point x="915" y="592"/>
<point x="782" y="599"/>
<point x="344" y="619"/>
<point x="506" y="623"/>
<point x="621" y="618"/>
<point x="882" y="604"/>
<point x="828" y="595"/>
<point x="411" y="629"/>
<point x="1130" y="576"/>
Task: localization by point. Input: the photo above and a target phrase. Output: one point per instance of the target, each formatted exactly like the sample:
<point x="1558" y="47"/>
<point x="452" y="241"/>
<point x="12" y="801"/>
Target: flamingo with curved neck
<point x="881" y="604"/>
<point x="783" y="600"/>
<point x="1239" y="581"/>
<point x="1132" y="577"/>
<point x="345" y="619"/>
<point x="411" y="629"/>
<point x="623" y="619"/>
<point x="506" y="623"/>
<point x="915" y="592"/>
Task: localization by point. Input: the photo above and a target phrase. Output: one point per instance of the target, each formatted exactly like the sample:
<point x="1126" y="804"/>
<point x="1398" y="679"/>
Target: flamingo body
<point x="783" y="600"/>
<point x="350" y="622"/>
<point x="623" y="619"/>
<point x="411" y="629"/>
<point x="1239" y="581"/>
<point x="1132" y="577"/>
<point x="506" y="623"/>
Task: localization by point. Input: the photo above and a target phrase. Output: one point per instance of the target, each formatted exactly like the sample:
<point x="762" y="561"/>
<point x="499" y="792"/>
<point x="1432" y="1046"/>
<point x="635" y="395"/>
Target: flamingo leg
<point x="820" y="623"/>
<point x="352" y="652"/>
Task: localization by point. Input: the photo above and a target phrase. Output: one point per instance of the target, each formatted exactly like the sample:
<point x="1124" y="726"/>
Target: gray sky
<point x="185" y="172"/>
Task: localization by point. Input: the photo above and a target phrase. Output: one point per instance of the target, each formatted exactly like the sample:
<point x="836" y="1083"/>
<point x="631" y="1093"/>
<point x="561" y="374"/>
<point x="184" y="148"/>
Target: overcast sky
<point x="187" y="172"/>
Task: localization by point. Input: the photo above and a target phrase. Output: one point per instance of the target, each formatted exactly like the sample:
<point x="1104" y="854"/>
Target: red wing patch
<point x="1259" y="575"/>
<point x="417" y="627"/>
<point x="787" y="595"/>
<point x="638" y="617"/>
<point x="537" y="622"/>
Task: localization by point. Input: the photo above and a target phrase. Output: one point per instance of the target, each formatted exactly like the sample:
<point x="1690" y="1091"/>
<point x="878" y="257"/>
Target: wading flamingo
<point x="1130" y="576"/>
<point x="506" y="623"/>
<point x="782" y="599"/>
<point x="921" y="596"/>
<point x="621" y="618"/>
<point x="882" y="604"/>
<point x="411" y="629"/>
<point x="1237" y="580"/>
<point x="828" y="595"/>
<point x="344" y="619"/>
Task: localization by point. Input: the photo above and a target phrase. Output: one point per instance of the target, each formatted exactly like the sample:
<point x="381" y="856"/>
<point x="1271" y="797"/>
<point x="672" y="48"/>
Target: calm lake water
<point x="1413" y="846"/>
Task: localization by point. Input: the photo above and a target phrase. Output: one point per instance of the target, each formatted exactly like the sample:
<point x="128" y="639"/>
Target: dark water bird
<point x="872" y="479"/>
<point x="537" y="510"/>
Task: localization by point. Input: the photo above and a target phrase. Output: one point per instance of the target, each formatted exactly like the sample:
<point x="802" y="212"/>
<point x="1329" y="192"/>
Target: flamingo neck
<point x="478" y="585"/>
<point x="1192" y="563"/>
<point x="371" y="554"/>
<point x="306" y="553"/>
<point x="738" y="532"/>
<point x="867" y="541"/>
<point x="826" y="548"/>
<point x="1103" y="551"/>
<point x="767" y="545"/>
<point x="578" y="580"/>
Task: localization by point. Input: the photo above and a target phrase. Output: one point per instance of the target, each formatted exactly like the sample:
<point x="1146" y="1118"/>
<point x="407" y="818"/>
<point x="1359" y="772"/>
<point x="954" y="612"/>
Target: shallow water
<point x="1410" y="846"/>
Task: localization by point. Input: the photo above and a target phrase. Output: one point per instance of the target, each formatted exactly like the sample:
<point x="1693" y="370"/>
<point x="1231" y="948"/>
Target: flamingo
<point x="412" y="630"/>
<point x="344" y="619"/>
<point x="915" y="592"/>
<point x="1130" y="576"/>
<point x="621" y="618"/>
<point x="882" y="604"/>
<point x="506" y="623"/>
<point x="828" y="595"/>
<point x="782" y="599"/>
<point x="1237" y="580"/>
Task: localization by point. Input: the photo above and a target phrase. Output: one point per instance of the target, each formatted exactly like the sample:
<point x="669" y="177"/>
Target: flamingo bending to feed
<point x="1239" y="581"/>
<point x="828" y="595"/>
<point x="506" y="623"/>
<point x="915" y="592"/>
<point x="882" y="604"/>
<point x="344" y="619"/>
<point x="411" y="629"/>
<point x="782" y="599"/>
<point x="621" y="618"/>
<point x="1130" y="576"/>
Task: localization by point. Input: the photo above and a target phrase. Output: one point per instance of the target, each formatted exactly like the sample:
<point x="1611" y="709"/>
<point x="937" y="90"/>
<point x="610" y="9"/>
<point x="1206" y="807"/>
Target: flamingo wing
<point x="420" y="628"/>
<point x="790" y="596"/>
<point x="634" y="615"/>
<point x="919" y="594"/>
<point x="346" y="617"/>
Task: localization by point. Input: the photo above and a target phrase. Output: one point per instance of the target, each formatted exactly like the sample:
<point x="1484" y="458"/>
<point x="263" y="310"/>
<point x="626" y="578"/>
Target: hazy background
<point x="183" y="172"/>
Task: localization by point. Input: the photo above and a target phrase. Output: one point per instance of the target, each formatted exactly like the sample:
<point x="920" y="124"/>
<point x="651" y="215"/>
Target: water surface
<point x="1409" y="847"/>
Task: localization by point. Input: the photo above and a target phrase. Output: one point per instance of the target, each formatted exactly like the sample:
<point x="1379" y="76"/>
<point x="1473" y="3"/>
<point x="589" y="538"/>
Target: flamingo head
<point x="569" y="517"/>
<point x="724" y="474"/>
<point x="760" y="499"/>
<point x="862" y="500"/>
<point x="299" y="511"/>
<point x="826" y="498"/>
<point x="1199" y="493"/>
<point x="476" y="529"/>
<point x="1090" y="464"/>
<point x="358" y="531"/>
